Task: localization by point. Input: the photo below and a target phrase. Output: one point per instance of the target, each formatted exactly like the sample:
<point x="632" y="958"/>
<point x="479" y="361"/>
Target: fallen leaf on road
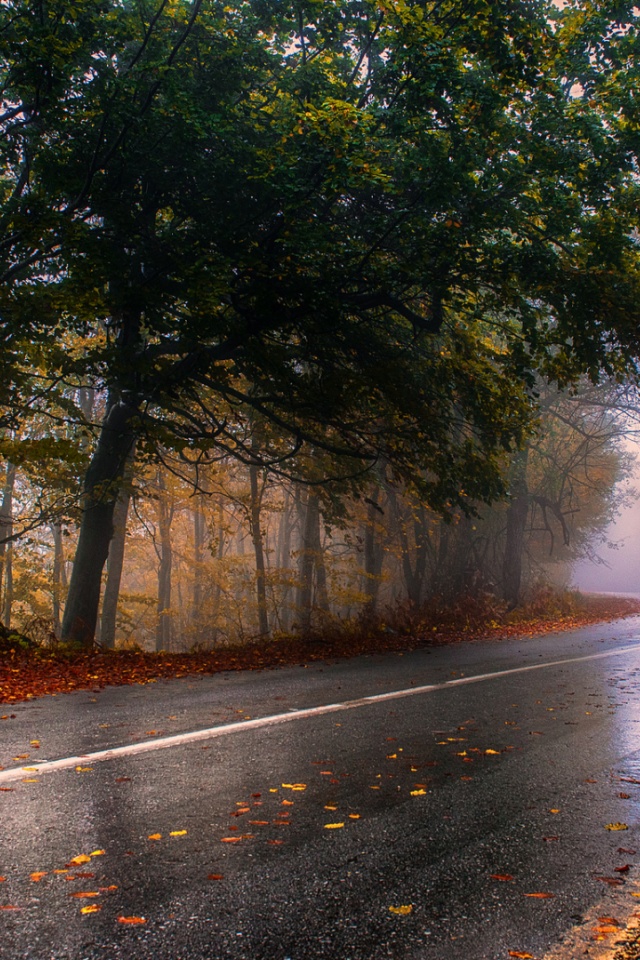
<point x="215" y="876"/>
<point x="85" y="895"/>
<point x="625" y="850"/>
<point x="333" y="826"/>
<point x="123" y="779"/>
<point x="550" y="839"/>
<point x="521" y="954"/>
<point x="154" y="836"/>
<point x="84" y="769"/>
<point x="294" y="786"/>
<point x="97" y="853"/>
<point x="612" y="881"/>
<point x="230" y="839"/>
<point x="540" y="896"/>
<point x="132" y="919"/>
<point x="354" y="816"/>
<point x="9" y="906"/>
<point x="625" y="796"/>
<point x="91" y="908"/>
<point x="402" y="910"/>
<point x="37" y="875"/>
<point x="275" y="843"/>
<point x="624" y="869"/>
<point x="495" y="752"/>
<point x="554" y="810"/>
<point x="418" y="793"/>
<point x="616" y="826"/>
<point x="81" y="858"/>
<point x="177" y="833"/>
<point x="610" y="920"/>
<point x="259" y="823"/>
<point x="501" y="876"/>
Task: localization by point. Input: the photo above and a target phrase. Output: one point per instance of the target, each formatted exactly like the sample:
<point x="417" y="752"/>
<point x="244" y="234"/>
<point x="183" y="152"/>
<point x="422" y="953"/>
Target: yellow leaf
<point x="333" y="826"/>
<point x="294" y="786"/>
<point x="177" y="833"/>
<point x="84" y="769"/>
<point x="521" y="954"/>
<point x="92" y="908"/>
<point x="96" y="853"/>
<point x="402" y="910"/>
<point x="418" y="793"/>
<point x="329" y="807"/>
<point x="616" y="826"/>
<point x="81" y="858"/>
<point x="494" y="752"/>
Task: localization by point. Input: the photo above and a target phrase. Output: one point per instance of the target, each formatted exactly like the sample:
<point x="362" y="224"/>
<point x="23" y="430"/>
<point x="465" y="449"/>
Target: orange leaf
<point x="521" y="954"/>
<point x="215" y="876"/>
<point x="154" y="836"/>
<point x="86" y="895"/>
<point x="540" y="896"/>
<point x="501" y="876"/>
<point x="230" y="839"/>
<point x="132" y="920"/>
<point x="9" y="906"/>
<point x="38" y="875"/>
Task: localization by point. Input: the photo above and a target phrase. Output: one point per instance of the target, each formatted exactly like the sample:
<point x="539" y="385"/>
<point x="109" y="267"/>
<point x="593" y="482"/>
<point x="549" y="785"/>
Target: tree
<point x="342" y="217"/>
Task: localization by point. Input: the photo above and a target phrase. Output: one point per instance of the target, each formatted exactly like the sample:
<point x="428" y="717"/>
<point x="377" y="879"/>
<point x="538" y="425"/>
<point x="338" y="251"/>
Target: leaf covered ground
<point x="28" y="670"/>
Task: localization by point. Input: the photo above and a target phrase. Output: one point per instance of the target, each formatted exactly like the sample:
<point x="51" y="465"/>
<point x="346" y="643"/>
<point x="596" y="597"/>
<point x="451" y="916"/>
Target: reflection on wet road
<point x="478" y="821"/>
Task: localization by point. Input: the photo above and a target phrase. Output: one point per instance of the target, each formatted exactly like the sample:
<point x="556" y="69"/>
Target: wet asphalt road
<point x="431" y="798"/>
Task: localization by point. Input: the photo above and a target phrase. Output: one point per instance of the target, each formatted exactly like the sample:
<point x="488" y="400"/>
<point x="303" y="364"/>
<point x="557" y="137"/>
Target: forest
<point x="312" y="313"/>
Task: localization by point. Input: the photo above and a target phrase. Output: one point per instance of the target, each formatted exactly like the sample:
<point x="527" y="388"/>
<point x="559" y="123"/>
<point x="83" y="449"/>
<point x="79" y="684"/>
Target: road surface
<point x="409" y="806"/>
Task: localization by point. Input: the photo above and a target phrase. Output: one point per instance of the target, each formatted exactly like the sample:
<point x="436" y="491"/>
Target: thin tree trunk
<point x="258" y="547"/>
<point x="101" y="488"/>
<point x="6" y="531"/>
<point x="307" y="562"/>
<point x="58" y="575"/>
<point x="8" y="585"/>
<point x="372" y="555"/>
<point x="517" y="513"/>
<point x="115" y="560"/>
<point x="164" y="627"/>
<point x="198" y="560"/>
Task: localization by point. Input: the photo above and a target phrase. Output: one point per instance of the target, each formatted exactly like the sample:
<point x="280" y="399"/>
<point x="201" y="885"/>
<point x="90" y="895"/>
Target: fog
<point x="620" y="571"/>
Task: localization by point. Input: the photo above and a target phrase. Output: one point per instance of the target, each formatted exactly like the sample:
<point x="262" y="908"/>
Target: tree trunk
<point x="115" y="560"/>
<point x="58" y="575"/>
<point x="164" y="626"/>
<point x="198" y="561"/>
<point x="517" y="513"/>
<point x="373" y="555"/>
<point x="310" y="541"/>
<point x="6" y="531"/>
<point x="258" y="546"/>
<point x="101" y="488"/>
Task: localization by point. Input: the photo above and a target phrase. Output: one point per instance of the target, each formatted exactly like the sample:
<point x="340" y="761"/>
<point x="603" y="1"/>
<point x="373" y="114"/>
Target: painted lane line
<point x="180" y="739"/>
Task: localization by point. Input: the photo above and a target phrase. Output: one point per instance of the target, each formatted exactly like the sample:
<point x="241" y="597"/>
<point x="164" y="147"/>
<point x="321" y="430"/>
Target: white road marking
<point x="133" y="749"/>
